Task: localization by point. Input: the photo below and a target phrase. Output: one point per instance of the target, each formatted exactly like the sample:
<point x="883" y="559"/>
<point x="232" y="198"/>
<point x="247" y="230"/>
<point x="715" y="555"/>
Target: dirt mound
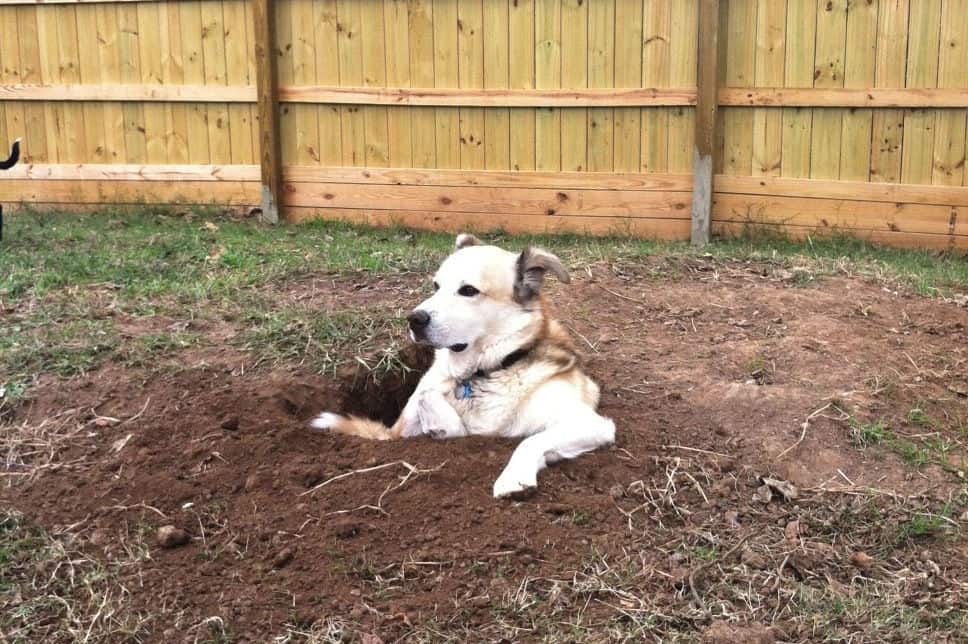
<point x="711" y="383"/>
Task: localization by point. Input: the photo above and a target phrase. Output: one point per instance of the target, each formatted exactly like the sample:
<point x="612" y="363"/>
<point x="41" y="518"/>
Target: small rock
<point x="763" y="494"/>
<point x="282" y="558"/>
<point x="617" y="491"/>
<point x="251" y="482"/>
<point x="792" y="531"/>
<point x="230" y="423"/>
<point x="171" y="537"/>
<point x="99" y="537"/>
<point x="732" y="518"/>
<point x="862" y="560"/>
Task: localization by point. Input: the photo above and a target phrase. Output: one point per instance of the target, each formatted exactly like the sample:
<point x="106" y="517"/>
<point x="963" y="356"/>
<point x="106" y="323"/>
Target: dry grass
<point x="51" y="591"/>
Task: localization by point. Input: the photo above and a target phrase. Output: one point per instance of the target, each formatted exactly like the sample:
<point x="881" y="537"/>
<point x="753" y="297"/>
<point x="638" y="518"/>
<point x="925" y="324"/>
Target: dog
<point x="502" y="366"/>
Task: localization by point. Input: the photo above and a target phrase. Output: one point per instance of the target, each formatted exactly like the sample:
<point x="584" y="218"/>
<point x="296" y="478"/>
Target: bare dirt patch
<point x="710" y="370"/>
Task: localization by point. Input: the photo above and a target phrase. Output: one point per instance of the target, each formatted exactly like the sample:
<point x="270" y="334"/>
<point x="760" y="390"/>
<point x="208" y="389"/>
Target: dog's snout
<point x="418" y="320"/>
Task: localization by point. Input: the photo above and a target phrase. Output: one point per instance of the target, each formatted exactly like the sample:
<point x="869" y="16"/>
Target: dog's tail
<point x="355" y="426"/>
<point x="14" y="156"/>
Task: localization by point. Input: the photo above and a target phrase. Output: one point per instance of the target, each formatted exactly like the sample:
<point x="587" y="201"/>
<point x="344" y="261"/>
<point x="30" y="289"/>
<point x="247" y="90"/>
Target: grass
<point x="59" y="274"/>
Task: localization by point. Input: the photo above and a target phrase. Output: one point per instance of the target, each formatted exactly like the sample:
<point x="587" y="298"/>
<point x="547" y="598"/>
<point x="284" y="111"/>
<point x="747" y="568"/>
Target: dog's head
<point x="484" y="297"/>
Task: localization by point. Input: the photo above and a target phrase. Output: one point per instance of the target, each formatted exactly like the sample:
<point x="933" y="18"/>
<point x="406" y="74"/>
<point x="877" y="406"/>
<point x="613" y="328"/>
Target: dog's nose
<point x="418" y="320"/>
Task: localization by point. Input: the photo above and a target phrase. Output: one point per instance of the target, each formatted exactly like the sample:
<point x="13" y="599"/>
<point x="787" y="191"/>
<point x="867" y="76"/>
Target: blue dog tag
<point x="463" y="390"/>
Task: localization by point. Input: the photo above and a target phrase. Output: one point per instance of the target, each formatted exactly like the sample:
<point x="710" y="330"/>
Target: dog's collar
<point x="509" y="361"/>
<point x="464" y="388"/>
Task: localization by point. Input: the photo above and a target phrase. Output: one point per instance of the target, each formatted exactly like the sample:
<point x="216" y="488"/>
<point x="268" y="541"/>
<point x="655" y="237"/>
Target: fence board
<point x="522" y="49"/>
<point x="800" y="55"/>
<point x="574" y="73"/>
<point x="861" y="44"/>
<point x="949" y="167"/>
<point x="547" y="67"/>
<point x="628" y="73"/>
<point x="924" y="28"/>
<point x="655" y="73"/>
<point x="888" y="125"/>
<point x="446" y="74"/>
<point x="470" y="69"/>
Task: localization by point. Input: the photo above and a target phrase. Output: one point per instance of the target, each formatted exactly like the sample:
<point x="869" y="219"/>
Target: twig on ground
<point x="138" y="415"/>
<point x="619" y="295"/>
<point x="696" y="449"/>
<point x="803" y="430"/>
<point x="411" y="470"/>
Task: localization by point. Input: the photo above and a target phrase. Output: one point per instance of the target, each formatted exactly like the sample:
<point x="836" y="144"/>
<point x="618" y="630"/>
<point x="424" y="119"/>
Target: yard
<point x="790" y="466"/>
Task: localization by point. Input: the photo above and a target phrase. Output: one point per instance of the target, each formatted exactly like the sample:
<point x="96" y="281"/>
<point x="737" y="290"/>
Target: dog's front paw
<point x="325" y="422"/>
<point x="512" y="485"/>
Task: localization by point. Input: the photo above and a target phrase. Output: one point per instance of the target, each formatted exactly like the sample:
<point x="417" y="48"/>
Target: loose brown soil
<point x="709" y="370"/>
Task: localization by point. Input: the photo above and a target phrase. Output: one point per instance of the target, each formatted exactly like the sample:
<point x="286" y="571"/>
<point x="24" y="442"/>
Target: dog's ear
<point x="530" y="271"/>
<point x="464" y="240"/>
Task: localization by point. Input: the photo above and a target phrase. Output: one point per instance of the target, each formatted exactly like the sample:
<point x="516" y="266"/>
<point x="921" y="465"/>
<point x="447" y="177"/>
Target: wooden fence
<point x="527" y="115"/>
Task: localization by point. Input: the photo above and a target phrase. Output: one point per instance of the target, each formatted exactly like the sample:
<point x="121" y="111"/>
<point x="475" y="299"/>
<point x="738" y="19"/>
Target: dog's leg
<point x="570" y="434"/>
<point x="437" y="418"/>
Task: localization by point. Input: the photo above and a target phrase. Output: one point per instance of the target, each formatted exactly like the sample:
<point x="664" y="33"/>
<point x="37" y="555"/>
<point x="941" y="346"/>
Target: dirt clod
<point x="230" y="423"/>
<point x="862" y="561"/>
<point x="283" y="558"/>
<point x="169" y="536"/>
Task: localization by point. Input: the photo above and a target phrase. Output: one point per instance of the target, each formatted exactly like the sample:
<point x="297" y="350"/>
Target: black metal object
<point x="6" y="165"/>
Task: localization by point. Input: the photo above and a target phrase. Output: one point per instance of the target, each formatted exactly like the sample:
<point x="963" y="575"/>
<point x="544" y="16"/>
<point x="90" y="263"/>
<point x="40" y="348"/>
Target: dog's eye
<point x="467" y="291"/>
<point x="436" y="287"/>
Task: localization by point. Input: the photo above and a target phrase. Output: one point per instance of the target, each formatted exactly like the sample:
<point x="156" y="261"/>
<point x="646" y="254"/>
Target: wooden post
<point x="267" y="89"/>
<point x="702" y="165"/>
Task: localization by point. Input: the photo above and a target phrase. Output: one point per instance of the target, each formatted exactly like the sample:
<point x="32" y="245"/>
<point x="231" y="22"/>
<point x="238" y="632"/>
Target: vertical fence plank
<point x="398" y="75"/>
<point x="350" y="27"/>
<point x="68" y="56"/>
<point x="924" y="30"/>
<point x="800" y="55"/>
<point x="422" y="120"/>
<point x="887" y="130"/>
<point x="949" y="167"/>
<point x="135" y="134"/>
<point x="740" y="71"/>
<point x="215" y="66"/>
<point x="655" y="73"/>
<point x="601" y="73"/>
<point x="547" y="75"/>
<point x="10" y="73"/>
<point x="470" y="44"/>
<point x="190" y="19"/>
<point x="770" y="55"/>
<point x="628" y="73"/>
<point x="326" y="42"/>
<point x="446" y="75"/>
<point x="264" y="34"/>
<point x="828" y="72"/>
<point x="682" y="73"/>
<point x="304" y="118"/>
<point x="855" y="149"/>
<point x="236" y="47"/>
<point x="374" y="75"/>
<point x="95" y="150"/>
<point x="149" y="53"/>
<point x="707" y="79"/>
<point x="574" y="74"/>
<point x="497" y="129"/>
<point x="521" y="58"/>
<point x="172" y="70"/>
<point x="35" y="127"/>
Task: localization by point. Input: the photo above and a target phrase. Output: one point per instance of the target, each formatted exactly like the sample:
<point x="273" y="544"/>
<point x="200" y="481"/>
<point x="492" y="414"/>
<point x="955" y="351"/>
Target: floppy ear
<point x="464" y="240"/>
<point x="530" y="271"/>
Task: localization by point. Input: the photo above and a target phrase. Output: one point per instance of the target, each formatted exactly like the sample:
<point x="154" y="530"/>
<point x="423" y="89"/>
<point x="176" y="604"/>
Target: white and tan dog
<point x="501" y="367"/>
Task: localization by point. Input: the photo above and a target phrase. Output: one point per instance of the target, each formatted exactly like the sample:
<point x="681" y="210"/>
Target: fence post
<point x="265" y="71"/>
<point x="706" y="102"/>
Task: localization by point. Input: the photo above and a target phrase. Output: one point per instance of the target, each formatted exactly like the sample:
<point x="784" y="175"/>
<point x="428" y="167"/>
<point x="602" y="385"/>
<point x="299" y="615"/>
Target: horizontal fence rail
<point x="590" y="116"/>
